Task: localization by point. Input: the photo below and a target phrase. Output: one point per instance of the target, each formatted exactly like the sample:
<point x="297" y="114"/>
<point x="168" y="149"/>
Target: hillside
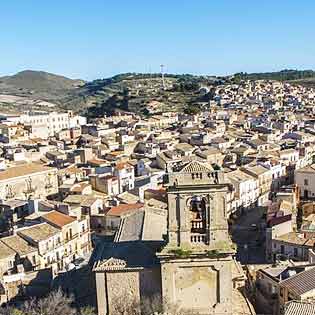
<point x="141" y="93"/>
<point x="144" y="93"/>
<point x="136" y="92"/>
<point x="283" y="75"/>
<point x="38" y="84"/>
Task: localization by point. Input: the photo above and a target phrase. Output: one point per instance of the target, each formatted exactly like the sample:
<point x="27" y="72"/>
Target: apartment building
<point x="246" y="189"/>
<point x="49" y="243"/>
<point x="25" y="253"/>
<point x="52" y="121"/>
<point x="75" y="234"/>
<point x="264" y="178"/>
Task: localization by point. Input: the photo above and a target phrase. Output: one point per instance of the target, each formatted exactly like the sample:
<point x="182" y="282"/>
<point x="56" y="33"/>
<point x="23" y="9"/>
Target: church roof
<point x="148" y="225"/>
<point x="128" y="255"/>
<point x="197" y="167"/>
<point x="113" y="264"/>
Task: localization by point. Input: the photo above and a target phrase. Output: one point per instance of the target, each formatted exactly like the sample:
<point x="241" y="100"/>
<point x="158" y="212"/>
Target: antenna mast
<point x="162" y="73"/>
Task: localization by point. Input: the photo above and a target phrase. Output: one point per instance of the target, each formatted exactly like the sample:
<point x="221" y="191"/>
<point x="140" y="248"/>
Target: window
<point x="10" y="264"/>
<point x="295" y="252"/>
<point x="281" y="292"/>
<point x="305" y="182"/>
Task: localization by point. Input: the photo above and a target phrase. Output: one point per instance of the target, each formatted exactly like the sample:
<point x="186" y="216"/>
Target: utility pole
<point x="162" y="73"/>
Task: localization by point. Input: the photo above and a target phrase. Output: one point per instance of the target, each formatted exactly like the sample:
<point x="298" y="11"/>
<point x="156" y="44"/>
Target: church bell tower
<point x="196" y="262"/>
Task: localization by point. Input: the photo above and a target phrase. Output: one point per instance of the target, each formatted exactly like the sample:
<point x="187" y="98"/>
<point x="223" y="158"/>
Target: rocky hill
<point x="141" y="93"/>
<point x="38" y="84"/>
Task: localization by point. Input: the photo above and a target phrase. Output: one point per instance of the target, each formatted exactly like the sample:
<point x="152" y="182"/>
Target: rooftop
<point x="5" y="251"/>
<point x="39" y="232"/>
<point x="301" y="282"/>
<point x="300" y="308"/>
<point x="58" y="219"/>
<point x="23" y="170"/>
<point x="18" y="244"/>
<point x="124" y="208"/>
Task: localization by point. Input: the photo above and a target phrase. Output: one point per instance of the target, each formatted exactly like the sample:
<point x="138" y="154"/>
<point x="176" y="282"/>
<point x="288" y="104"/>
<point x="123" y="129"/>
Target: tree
<point x="56" y="303"/>
<point x="87" y="310"/>
<point x="151" y="305"/>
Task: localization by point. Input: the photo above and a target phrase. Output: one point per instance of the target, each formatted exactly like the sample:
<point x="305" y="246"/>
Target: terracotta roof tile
<point x="124" y="208"/>
<point x="58" y="219"/>
<point x="301" y="282"/>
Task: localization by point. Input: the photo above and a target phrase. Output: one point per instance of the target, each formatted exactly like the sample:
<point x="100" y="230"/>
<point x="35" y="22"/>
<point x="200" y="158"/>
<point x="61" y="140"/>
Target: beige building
<point x="26" y="181"/>
<point x="48" y="241"/>
<point x="26" y="254"/>
<point x="7" y="258"/>
<point x="75" y="234"/>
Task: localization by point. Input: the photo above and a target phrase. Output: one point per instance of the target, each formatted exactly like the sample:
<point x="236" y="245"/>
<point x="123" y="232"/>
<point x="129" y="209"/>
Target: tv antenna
<point x="162" y="74"/>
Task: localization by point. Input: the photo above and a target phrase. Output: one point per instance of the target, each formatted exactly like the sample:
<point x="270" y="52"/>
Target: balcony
<point x="197" y="224"/>
<point x="86" y="244"/>
<point x="197" y="238"/>
<point x="87" y="231"/>
<point x="49" y="185"/>
<point x="71" y="238"/>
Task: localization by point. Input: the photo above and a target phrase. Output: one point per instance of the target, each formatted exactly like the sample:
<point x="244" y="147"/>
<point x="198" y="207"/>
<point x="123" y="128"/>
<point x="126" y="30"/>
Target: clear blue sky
<point x="97" y="38"/>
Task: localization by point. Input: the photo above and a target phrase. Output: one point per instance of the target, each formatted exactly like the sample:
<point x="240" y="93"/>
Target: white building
<point x="305" y="180"/>
<point x="246" y="188"/>
<point x="126" y="176"/>
<point x="53" y="121"/>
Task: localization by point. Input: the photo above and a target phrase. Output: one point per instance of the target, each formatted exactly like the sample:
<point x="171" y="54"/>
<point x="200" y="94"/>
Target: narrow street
<point x="249" y="237"/>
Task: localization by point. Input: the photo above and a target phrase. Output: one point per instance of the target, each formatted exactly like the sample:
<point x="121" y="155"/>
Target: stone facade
<point x="194" y="269"/>
<point x="196" y="262"/>
<point x="120" y="287"/>
<point x="200" y="284"/>
<point x="28" y="181"/>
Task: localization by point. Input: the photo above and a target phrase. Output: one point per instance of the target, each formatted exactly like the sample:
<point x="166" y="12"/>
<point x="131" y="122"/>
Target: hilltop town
<point x="193" y="194"/>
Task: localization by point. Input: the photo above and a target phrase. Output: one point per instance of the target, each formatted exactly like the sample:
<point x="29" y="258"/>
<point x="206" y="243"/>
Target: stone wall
<point x="119" y="290"/>
<point x="203" y="285"/>
<point x="42" y="185"/>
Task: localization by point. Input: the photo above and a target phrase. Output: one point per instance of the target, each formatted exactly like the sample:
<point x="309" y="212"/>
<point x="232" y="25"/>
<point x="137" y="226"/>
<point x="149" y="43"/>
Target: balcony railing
<point x="86" y="244"/>
<point x="49" y="185"/>
<point x="198" y="238"/>
<point x="69" y="239"/>
<point x="197" y="224"/>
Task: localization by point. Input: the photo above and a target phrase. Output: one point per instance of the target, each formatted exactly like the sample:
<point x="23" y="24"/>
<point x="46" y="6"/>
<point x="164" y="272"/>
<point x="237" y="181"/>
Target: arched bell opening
<point x="198" y="219"/>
